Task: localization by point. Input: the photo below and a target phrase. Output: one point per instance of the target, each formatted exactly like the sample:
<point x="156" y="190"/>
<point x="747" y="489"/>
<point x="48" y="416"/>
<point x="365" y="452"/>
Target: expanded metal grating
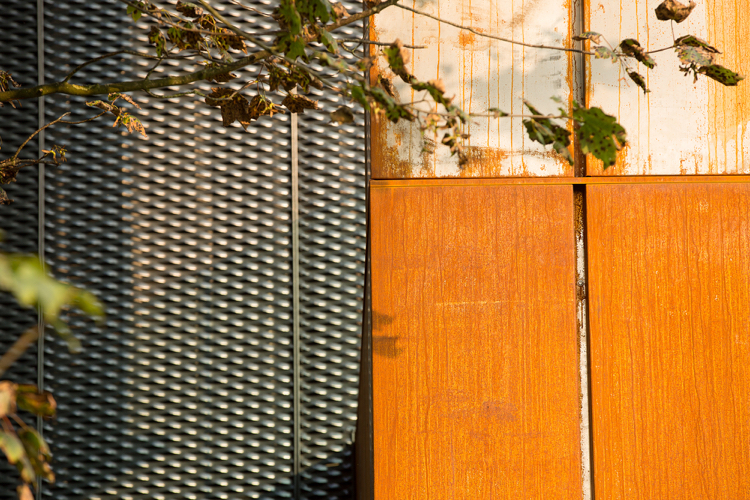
<point x="187" y="389"/>
<point x="18" y="222"/>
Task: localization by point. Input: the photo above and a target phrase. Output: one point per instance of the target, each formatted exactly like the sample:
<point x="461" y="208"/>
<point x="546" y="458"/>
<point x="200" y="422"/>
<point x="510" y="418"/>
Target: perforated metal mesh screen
<point x="187" y="389"/>
<point x="18" y="222"/>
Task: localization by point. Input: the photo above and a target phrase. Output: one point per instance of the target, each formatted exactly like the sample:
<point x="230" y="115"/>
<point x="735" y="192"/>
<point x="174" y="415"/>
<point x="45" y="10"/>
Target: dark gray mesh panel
<point x="186" y="390"/>
<point x="18" y="221"/>
<point x="332" y="247"/>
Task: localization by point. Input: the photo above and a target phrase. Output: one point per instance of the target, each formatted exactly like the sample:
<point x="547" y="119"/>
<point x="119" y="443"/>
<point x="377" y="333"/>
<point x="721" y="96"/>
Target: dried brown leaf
<point x="188" y="9"/>
<point x="339" y="9"/>
<point x="298" y="103"/>
<point x="674" y="11"/>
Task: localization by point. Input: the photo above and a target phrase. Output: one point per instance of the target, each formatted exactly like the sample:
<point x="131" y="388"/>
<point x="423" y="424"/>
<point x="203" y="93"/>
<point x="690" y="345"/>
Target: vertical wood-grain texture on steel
<point x="475" y="355"/>
<point x="669" y="288"/>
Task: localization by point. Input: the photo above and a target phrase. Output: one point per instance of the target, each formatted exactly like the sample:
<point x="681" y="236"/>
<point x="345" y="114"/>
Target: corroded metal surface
<point x="669" y="284"/>
<point x="475" y="356"/>
<point x="680" y="127"/>
<point x="482" y="74"/>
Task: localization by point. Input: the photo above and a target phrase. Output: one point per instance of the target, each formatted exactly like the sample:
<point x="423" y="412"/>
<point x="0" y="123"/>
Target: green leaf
<point x="37" y="452"/>
<point x="292" y="46"/>
<point x="639" y="80"/>
<point x="27" y="280"/>
<point x="289" y="18"/>
<point x="358" y="95"/>
<point x="544" y="131"/>
<point x="135" y="13"/>
<point x="28" y="398"/>
<point x="321" y="9"/>
<point x="590" y="35"/>
<point x="672" y="10"/>
<point x="398" y="58"/>
<point x="436" y="89"/>
<point x="599" y="134"/>
<point x="721" y="74"/>
<point x="12" y="446"/>
<point x="328" y="41"/>
<point x="156" y="38"/>
<point x="631" y="47"/>
<point x="694" y="41"/>
<point x="342" y="116"/>
<point x="694" y="55"/>
<point x="605" y="53"/>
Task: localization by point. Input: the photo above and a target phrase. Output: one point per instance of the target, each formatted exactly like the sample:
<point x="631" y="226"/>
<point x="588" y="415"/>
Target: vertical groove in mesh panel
<point x="18" y="221"/>
<point x="186" y="391"/>
<point x="332" y="247"/>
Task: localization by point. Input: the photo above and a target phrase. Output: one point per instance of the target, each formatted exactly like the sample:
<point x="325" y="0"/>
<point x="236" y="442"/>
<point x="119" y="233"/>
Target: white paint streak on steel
<point x="482" y="74"/>
<point x="680" y="127"/>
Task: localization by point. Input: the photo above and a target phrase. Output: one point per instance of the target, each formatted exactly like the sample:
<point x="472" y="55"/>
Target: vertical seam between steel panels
<point x="582" y="304"/>
<point x="40" y="214"/>
<point x="295" y="303"/>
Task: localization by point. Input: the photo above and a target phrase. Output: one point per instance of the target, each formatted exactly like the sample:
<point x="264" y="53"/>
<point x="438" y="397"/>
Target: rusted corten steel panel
<point x="481" y="73"/>
<point x="670" y="340"/>
<point x="681" y="127"/>
<point x="475" y="363"/>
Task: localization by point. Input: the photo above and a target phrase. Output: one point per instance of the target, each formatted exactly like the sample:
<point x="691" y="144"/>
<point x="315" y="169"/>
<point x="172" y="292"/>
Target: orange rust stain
<point x="669" y="284"/>
<point x="475" y="387"/>
<point x="729" y="107"/>
<point x="529" y="8"/>
<point x="621" y="166"/>
<point x="466" y="40"/>
<point x="484" y="162"/>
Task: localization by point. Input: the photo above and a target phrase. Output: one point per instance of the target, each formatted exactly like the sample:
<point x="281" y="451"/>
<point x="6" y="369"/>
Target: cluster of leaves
<point x="189" y="28"/>
<point x="696" y="56"/>
<point x="23" y="446"/>
<point x="6" y="82"/>
<point x="25" y="278"/>
<point x="446" y="118"/>
<point x="234" y="106"/>
<point x="122" y="117"/>
<point x="302" y="21"/>
<point x="597" y="133"/>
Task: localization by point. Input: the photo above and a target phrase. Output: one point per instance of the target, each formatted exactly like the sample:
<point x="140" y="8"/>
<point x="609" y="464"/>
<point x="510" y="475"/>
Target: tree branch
<point x="64" y="87"/>
<point x="493" y="37"/>
<point x="130" y="86"/>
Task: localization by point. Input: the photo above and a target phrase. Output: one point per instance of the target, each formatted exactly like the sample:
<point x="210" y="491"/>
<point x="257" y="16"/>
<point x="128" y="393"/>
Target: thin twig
<point x="86" y="120"/>
<point x="661" y="50"/>
<point x="35" y="133"/>
<point x="241" y="5"/>
<point x="493" y="37"/>
<point x="18" y="348"/>
<point x="382" y="44"/>
<point x="115" y="53"/>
